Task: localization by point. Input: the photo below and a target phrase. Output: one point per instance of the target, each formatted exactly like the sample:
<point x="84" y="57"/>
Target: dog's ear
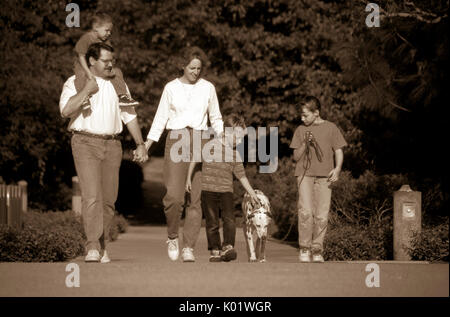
<point x="268" y="214"/>
<point x="250" y="216"/>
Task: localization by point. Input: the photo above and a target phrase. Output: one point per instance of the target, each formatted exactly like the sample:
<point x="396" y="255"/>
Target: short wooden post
<point x="24" y="192"/>
<point x="76" y="195"/>
<point x="3" y="208"/>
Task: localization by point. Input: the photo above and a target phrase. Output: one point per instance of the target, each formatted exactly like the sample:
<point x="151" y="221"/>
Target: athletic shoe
<point x="187" y="254"/>
<point x="105" y="258"/>
<point x="86" y="104"/>
<point x="317" y="257"/>
<point x="125" y="101"/>
<point x="228" y="253"/>
<point x="305" y="255"/>
<point x="172" y="249"/>
<point x="215" y="256"/>
<point x="92" y="256"/>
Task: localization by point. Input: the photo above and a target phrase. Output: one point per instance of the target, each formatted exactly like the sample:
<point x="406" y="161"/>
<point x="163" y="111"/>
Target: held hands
<point x="140" y="155"/>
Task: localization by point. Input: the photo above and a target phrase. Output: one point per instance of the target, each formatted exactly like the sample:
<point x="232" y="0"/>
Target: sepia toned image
<point x="224" y="156"/>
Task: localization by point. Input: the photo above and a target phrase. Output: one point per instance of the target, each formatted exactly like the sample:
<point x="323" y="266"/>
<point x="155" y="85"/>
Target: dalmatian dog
<point x="255" y="224"/>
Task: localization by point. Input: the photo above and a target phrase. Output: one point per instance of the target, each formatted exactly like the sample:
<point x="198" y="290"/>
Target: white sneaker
<point x="92" y="256"/>
<point x="187" y="255"/>
<point x="105" y="258"/>
<point x="317" y="257"/>
<point x="172" y="249"/>
<point x="305" y="255"/>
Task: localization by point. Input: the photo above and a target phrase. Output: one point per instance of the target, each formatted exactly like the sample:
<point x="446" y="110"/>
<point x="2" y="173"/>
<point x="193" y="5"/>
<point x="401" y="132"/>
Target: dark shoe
<point x="228" y="253"/>
<point x="215" y="256"/>
<point x="126" y="101"/>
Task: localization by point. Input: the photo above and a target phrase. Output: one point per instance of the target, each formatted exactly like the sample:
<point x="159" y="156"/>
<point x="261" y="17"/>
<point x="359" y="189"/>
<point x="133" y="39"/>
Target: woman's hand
<point x="188" y="186"/>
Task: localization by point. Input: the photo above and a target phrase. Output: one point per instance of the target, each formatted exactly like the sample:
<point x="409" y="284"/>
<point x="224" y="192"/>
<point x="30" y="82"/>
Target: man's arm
<point x="135" y="131"/>
<point x="74" y="104"/>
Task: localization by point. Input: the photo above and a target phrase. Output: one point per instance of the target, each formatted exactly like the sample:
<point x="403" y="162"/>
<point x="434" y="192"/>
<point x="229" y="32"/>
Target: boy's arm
<point x="189" y="176"/>
<point x="244" y="181"/>
<point x="298" y="152"/>
<point x="73" y="105"/>
<point x="333" y="176"/>
<point x="82" y="59"/>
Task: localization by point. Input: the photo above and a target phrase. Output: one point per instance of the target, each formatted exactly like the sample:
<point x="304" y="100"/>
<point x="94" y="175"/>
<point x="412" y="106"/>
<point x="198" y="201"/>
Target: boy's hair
<point x="234" y="120"/>
<point x="311" y="103"/>
<point x="100" y="18"/>
<point x="191" y="53"/>
<point x="95" y="49"/>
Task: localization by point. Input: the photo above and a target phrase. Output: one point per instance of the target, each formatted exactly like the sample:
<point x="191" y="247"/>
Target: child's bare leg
<point x="121" y="89"/>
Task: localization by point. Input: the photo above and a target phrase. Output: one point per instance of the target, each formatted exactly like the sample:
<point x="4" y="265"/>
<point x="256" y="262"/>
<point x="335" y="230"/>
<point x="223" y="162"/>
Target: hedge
<point x="49" y="237"/>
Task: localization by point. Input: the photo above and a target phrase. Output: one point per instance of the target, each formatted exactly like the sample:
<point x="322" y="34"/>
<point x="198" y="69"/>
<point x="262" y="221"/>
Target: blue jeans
<point x="211" y="203"/>
<point x="313" y="207"/>
<point x="97" y="163"/>
<point x="175" y="174"/>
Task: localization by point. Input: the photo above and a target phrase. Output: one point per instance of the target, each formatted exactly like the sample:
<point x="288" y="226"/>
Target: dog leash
<point x="307" y="159"/>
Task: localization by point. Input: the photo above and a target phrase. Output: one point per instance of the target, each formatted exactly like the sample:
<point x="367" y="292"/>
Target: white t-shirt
<point x="106" y="116"/>
<point x="187" y="105"/>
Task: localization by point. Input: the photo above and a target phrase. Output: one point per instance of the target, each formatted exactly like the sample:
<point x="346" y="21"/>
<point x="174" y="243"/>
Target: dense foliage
<point x="49" y="237"/>
<point x="384" y="86"/>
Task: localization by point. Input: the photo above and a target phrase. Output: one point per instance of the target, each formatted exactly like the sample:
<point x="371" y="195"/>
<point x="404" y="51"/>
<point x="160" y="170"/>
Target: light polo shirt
<point x="184" y="105"/>
<point x="105" y="117"/>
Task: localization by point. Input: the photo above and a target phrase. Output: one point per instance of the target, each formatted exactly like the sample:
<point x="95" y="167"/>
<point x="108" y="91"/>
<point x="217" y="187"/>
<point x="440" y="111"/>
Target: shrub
<point x="49" y="237"/>
<point x="45" y="237"/>
<point x="118" y="225"/>
<point x="431" y="244"/>
<point x="349" y="242"/>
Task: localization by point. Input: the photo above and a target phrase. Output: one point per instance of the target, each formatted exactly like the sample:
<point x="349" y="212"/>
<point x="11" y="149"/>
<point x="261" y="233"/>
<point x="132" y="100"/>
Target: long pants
<point x="211" y="203"/>
<point x="313" y="207"/>
<point x="97" y="163"/>
<point x="175" y="174"/>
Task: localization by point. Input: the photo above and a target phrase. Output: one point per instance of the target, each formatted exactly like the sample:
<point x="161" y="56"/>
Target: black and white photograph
<point x="224" y="156"/>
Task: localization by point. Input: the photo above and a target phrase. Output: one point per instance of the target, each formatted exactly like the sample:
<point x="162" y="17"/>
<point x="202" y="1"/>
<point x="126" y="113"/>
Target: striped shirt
<point x="218" y="176"/>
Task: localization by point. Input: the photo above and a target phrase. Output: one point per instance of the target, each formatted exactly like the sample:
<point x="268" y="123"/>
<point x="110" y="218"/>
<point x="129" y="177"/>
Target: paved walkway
<point x="140" y="267"/>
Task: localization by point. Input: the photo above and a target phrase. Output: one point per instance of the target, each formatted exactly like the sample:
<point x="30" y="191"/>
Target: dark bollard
<point x="407" y="220"/>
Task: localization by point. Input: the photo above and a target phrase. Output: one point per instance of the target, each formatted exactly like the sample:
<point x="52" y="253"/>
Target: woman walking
<point x="184" y="108"/>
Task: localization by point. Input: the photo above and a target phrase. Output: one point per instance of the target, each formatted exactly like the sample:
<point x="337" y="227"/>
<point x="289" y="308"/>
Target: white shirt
<point x="187" y="105"/>
<point x="106" y="116"/>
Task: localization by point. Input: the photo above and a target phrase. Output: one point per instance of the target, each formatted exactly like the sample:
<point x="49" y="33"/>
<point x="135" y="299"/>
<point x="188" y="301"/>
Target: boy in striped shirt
<point x="217" y="188"/>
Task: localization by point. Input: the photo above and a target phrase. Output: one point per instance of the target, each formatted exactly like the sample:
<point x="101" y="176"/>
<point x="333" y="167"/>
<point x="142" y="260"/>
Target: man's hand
<point x="140" y="154"/>
<point x="333" y="176"/>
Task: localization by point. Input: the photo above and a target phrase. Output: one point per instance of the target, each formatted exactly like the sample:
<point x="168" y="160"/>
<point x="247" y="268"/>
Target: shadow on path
<point x="141" y="191"/>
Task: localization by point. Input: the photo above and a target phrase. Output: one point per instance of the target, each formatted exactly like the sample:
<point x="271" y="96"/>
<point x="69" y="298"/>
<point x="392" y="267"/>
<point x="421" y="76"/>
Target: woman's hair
<point x="100" y="18"/>
<point x="311" y="103"/>
<point x="234" y="120"/>
<point x="193" y="52"/>
<point x="95" y="49"/>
